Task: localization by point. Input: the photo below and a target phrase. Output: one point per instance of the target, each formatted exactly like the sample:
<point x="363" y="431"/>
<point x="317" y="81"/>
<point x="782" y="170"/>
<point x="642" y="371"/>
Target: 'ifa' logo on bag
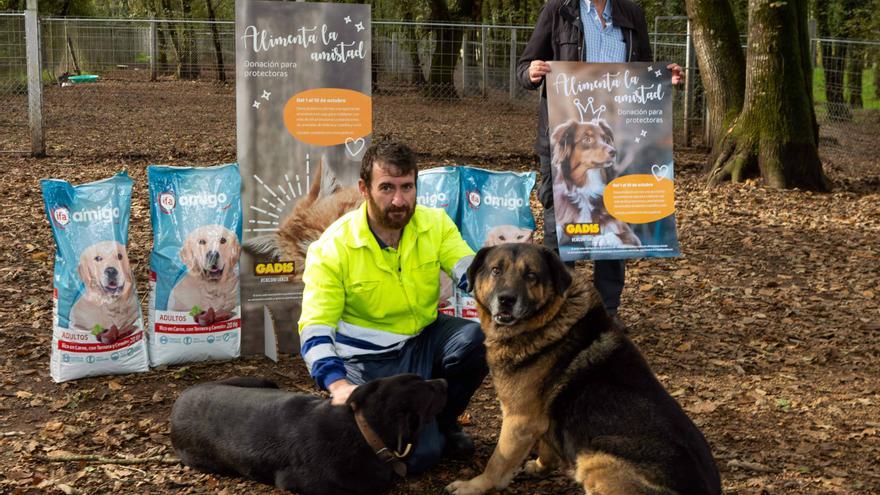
<point x="474" y="199"/>
<point x="61" y="216"/>
<point x="167" y="201"/>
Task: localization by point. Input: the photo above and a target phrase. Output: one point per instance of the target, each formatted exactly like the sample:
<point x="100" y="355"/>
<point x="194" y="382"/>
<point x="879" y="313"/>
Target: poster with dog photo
<point x="611" y="160"/>
<point x="304" y="119"/>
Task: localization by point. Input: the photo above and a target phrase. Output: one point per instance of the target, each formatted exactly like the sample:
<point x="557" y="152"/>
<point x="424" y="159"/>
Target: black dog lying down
<point x="301" y="443"/>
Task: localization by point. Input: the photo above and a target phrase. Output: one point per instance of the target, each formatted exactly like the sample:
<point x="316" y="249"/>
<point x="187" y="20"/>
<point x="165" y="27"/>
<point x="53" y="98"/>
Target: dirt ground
<point x="766" y="330"/>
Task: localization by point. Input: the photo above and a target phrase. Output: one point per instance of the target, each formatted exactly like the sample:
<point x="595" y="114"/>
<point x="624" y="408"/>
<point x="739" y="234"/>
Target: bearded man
<point x="369" y="306"/>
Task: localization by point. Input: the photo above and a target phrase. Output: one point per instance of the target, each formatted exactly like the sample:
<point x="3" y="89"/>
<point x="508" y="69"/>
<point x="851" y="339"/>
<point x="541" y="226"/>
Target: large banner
<point x="304" y="119"/>
<point x="611" y="160"/>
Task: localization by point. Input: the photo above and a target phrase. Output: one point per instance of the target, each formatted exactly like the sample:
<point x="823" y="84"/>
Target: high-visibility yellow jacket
<point x="356" y="301"/>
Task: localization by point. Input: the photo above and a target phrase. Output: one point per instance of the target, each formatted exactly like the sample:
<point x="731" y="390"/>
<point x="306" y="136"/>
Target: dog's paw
<point x="533" y="468"/>
<point x="462" y="487"/>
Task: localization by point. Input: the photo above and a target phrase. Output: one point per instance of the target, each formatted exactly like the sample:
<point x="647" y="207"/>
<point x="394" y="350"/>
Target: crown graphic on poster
<point x="589" y="112"/>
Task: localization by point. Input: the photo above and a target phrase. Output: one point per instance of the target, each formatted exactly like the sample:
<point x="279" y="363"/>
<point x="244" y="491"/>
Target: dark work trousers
<point x="608" y="275"/>
<point x="449" y="348"/>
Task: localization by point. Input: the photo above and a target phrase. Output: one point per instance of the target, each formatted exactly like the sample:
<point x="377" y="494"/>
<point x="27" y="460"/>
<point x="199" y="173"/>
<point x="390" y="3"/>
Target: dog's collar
<point x="385" y="454"/>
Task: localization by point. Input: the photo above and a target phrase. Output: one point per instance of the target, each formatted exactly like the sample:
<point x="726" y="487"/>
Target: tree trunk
<point x="854" y="76"/>
<point x="441" y="81"/>
<point x="447" y="45"/>
<point x="188" y="69"/>
<point x="776" y="135"/>
<point x="722" y="64"/>
<point x="417" y="77"/>
<point x="215" y="35"/>
<point x="164" y="67"/>
<point x="167" y="12"/>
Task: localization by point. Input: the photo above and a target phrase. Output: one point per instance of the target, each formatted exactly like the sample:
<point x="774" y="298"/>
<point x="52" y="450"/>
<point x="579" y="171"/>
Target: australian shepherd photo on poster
<point x="611" y="160"/>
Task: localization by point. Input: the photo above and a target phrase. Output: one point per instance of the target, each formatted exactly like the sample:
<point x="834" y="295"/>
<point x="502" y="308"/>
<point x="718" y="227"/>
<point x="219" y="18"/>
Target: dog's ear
<point x="358" y="396"/>
<point x="84" y="273"/>
<point x="476" y="264"/>
<point x="559" y="273"/>
<point x="609" y="134"/>
<point x="187" y="257"/>
<point x="232" y="253"/>
<point x="126" y="270"/>
<point x="562" y="139"/>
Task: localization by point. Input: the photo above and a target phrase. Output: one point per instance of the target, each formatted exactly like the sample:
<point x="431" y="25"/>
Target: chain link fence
<point x="140" y="49"/>
<point x="424" y="60"/>
<point x="449" y="61"/>
<point x="845" y="85"/>
<point x="14" y="134"/>
<point x="671" y="42"/>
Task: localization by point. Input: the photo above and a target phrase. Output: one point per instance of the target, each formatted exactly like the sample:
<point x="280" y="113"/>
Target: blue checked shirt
<point x="601" y="45"/>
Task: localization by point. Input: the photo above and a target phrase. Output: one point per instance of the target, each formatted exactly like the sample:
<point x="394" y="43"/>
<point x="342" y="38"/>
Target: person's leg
<point x="545" y="196"/>
<point x="609" y="277"/>
<point x="459" y="357"/>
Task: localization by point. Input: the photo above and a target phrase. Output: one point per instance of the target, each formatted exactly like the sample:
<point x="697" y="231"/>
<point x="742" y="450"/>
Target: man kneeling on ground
<point x="369" y="306"/>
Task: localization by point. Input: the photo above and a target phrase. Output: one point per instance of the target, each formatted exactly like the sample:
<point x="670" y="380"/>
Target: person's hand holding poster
<point x="611" y="160"/>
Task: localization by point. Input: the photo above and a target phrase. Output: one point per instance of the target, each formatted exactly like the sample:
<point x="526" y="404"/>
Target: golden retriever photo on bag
<point x="210" y="254"/>
<point x="583" y="153"/>
<point x="108" y="300"/>
<point x="503" y="234"/>
<point x="571" y="382"/>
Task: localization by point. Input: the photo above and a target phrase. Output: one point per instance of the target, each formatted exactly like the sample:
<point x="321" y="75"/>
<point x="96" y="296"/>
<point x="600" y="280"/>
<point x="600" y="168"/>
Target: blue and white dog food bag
<point x="439" y="188"/>
<point x="195" y="307"/>
<point x="495" y="210"/>
<point x="97" y="326"/>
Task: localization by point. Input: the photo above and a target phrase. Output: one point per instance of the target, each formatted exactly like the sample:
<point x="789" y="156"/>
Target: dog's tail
<point x="599" y="472"/>
<point x="263" y="244"/>
<point x="248" y="382"/>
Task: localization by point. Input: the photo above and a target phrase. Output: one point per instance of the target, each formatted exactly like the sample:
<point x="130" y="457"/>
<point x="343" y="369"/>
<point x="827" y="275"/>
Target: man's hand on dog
<point x="539" y="68"/>
<point x="339" y="391"/>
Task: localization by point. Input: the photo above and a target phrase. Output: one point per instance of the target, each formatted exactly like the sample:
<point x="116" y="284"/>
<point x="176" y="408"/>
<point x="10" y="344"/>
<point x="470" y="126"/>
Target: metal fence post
<point x="484" y="60"/>
<point x="154" y="50"/>
<point x="35" y="79"/>
<point x="512" y="94"/>
<point x="464" y="61"/>
<point x="394" y="55"/>
<point x="689" y="85"/>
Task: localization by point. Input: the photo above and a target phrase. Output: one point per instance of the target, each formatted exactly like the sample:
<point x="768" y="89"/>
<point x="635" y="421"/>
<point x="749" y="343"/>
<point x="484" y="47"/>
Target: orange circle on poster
<point x="328" y="116"/>
<point x="640" y="198"/>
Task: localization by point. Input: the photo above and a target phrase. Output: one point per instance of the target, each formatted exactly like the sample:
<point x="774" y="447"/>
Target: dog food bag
<point x="495" y="210"/>
<point x="97" y="326"/>
<point x="439" y="188"/>
<point x="195" y="308"/>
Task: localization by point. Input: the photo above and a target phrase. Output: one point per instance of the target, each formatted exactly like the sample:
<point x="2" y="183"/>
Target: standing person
<point x="369" y="307"/>
<point x="590" y="31"/>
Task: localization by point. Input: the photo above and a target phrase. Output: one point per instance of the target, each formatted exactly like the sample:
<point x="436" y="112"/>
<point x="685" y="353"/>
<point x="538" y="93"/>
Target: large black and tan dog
<point x="572" y="382"/>
<point x="302" y="443"/>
